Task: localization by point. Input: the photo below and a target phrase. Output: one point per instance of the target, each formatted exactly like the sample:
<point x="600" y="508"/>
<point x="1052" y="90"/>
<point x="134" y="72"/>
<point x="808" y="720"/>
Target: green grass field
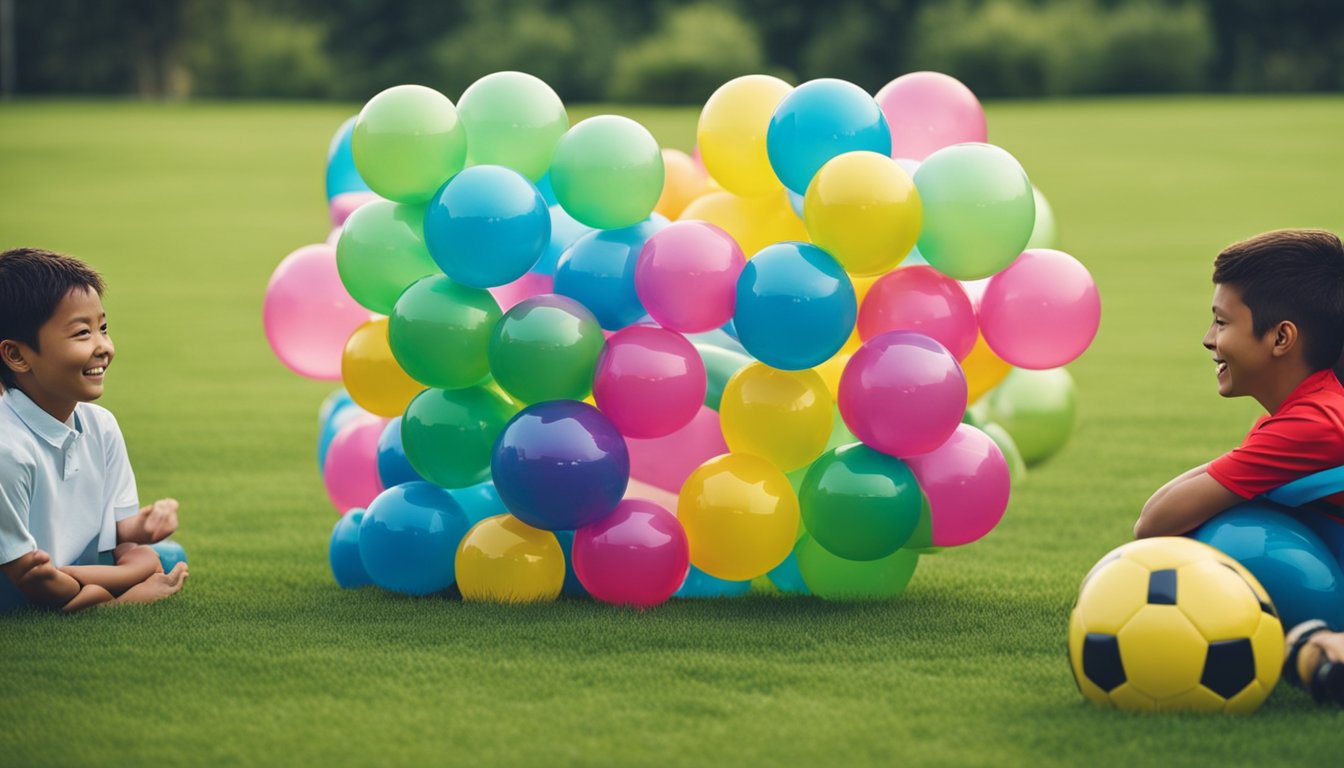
<point x="262" y="659"/>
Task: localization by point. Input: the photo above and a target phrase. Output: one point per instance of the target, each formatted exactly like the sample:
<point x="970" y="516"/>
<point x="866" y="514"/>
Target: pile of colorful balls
<point x="574" y="362"/>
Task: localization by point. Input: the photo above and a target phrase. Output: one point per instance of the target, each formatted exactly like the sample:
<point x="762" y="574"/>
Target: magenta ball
<point x="927" y="111"/>
<point x="967" y="482"/>
<point x="1041" y="311"/>
<point x="924" y="300"/>
<point x="902" y="393"/>
<point x="635" y="556"/>
<point x="686" y="276"/>
<point x="350" y="471"/>
<point x="649" y="381"/>
<point x="308" y="315"/>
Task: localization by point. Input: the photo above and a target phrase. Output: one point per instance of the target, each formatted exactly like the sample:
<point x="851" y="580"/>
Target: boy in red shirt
<point x="1277" y="334"/>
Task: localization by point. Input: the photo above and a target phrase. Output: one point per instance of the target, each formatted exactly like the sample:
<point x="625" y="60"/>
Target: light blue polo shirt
<point x="63" y="486"/>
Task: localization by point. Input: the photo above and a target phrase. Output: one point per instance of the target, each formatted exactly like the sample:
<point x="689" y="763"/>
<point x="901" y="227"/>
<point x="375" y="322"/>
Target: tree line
<point x="664" y="51"/>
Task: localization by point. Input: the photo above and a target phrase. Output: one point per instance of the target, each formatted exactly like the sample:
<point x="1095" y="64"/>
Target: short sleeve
<point x="17" y="476"/>
<point x="1279" y="450"/>
<point x="123" y="496"/>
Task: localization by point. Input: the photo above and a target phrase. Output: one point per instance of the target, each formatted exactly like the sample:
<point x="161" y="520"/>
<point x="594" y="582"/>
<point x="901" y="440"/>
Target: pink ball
<point x="637" y="555"/>
<point x="686" y="276"/>
<point x="924" y="300"/>
<point x="649" y="381"/>
<point x="308" y="315"/>
<point x="351" y="468"/>
<point x="902" y="393"/>
<point x="927" y="111"/>
<point x="1042" y="311"/>
<point x="967" y="482"/>
<point x="341" y="206"/>
<point x="529" y="285"/>
<point x="665" y="462"/>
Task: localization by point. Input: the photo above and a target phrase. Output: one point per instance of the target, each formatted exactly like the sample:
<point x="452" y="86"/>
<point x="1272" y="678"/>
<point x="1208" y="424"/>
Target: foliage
<point x="695" y="50"/>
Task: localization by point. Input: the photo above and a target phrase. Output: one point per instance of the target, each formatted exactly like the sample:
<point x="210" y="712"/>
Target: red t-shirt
<point x="1304" y="436"/>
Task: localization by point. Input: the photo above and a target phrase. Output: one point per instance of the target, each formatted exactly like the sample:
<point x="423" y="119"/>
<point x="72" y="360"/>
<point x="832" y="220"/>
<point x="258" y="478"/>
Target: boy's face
<point x="75" y="352"/>
<point x="1241" y="357"/>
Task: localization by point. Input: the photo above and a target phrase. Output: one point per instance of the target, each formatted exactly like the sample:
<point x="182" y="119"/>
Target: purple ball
<point x="560" y="465"/>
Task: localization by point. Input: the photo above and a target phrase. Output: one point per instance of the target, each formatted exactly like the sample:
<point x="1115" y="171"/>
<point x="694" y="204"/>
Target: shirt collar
<point x="1315" y="382"/>
<point x="42" y="424"/>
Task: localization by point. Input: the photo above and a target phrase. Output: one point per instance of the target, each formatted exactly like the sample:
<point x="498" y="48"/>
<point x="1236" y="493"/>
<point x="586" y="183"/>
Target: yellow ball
<point x="754" y="222"/>
<point x="504" y="560"/>
<point x="731" y="134"/>
<point x="863" y="209"/>
<point x="831" y="370"/>
<point x="740" y="515"/>
<point x="683" y="181"/>
<point x="784" y="417"/>
<point x="1173" y="624"/>
<point x="984" y="370"/>
<point x="371" y="375"/>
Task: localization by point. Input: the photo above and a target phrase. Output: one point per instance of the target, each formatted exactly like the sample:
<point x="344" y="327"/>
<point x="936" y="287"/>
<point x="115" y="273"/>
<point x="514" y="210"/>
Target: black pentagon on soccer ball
<point x="1101" y="661"/>
<point x="1162" y="587"/>
<point x="1229" y="667"/>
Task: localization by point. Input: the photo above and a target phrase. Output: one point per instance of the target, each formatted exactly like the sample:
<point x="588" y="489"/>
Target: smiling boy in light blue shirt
<point x="67" y="493"/>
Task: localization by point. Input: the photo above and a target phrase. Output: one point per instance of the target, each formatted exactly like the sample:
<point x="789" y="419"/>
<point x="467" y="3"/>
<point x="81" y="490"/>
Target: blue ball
<point x="819" y="120"/>
<point x="343" y="553"/>
<point x="1296" y="568"/>
<point x="565" y="229"/>
<point x="598" y="271"/>
<point x="393" y="466"/>
<point x="332" y="403"/>
<point x="700" y="584"/>
<point x="546" y="189"/>
<point x="795" y="306"/>
<point x="326" y="432"/>
<point x="341" y="174"/>
<point x="487" y="226"/>
<point x="170" y="554"/>
<point x="572" y="586"/>
<point x="408" y="538"/>
<point x="788" y="577"/>
<point x="479" y="501"/>
<point x="560" y="465"/>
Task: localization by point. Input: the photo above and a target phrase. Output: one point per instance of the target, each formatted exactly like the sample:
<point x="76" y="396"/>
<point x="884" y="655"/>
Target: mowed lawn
<point x="186" y="209"/>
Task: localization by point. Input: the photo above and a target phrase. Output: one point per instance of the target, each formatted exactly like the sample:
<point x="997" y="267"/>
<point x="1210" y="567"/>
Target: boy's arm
<point x="151" y="524"/>
<point x="41" y="582"/>
<point x="1183" y="504"/>
<point x="134" y="565"/>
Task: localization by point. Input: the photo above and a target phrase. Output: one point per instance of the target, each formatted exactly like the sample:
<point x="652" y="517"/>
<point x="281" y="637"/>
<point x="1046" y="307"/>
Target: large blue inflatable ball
<point x="700" y="584"/>
<point x="598" y="271"/>
<point x="1296" y="568"/>
<point x="393" y="466"/>
<point x="343" y="553"/>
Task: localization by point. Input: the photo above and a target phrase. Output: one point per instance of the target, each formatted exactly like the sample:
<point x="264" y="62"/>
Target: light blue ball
<point x="819" y="120"/>
<point x="341" y="413"/>
<point x="408" y="538"/>
<point x="795" y="306"/>
<point x="572" y="586"/>
<point x="170" y="554"/>
<point x="479" y="501"/>
<point x="343" y="553"/>
<point x="565" y="229"/>
<point x="598" y="271"/>
<point x="788" y="577"/>
<point x="700" y="584"/>
<point x="1295" y="567"/>
<point x="393" y="466"/>
<point x="487" y="226"/>
<point x="341" y="174"/>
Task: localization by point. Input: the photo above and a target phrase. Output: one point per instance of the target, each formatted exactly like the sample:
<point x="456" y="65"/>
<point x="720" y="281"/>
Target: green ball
<point x="978" y="210"/>
<point x="921" y="541"/>
<point x="449" y="434"/>
<point x="1038" y="409"/>
<point x="546" y="348"/>
<point x="1044" y="234"/>
<point x="512" y="119"/>
<point x="407" y="142"/>
<point x="1017" y="468"/>
<point x="381" y="251"/>
<point x="858" y="503"/>
<point x="440" y="330"/>
<point x="835" y="578"/>
<point x="720" y="365"/>
<point x="608" y="172"/>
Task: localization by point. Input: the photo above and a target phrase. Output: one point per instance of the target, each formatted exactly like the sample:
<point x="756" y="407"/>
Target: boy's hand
<point x="153" y="523"/>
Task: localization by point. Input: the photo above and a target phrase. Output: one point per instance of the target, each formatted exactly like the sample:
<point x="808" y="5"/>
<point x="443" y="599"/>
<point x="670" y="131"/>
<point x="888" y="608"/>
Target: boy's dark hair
<point x="1295" y="275"/>
<point x="32" y="283"/>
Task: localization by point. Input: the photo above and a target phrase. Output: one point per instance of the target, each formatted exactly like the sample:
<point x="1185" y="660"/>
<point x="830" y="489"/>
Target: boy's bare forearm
<point x="39" y="581"/>
<point x="89" y="596"/>
<point x="1172" y="483"/>
<point x="138" y="564"/>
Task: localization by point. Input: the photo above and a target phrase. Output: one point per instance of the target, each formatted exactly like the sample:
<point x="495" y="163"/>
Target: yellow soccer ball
<point x="1173" y="624"/>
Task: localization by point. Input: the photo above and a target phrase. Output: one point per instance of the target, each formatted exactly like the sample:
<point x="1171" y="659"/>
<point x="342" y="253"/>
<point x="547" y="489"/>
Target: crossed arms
<point x="1183" y="504"/>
